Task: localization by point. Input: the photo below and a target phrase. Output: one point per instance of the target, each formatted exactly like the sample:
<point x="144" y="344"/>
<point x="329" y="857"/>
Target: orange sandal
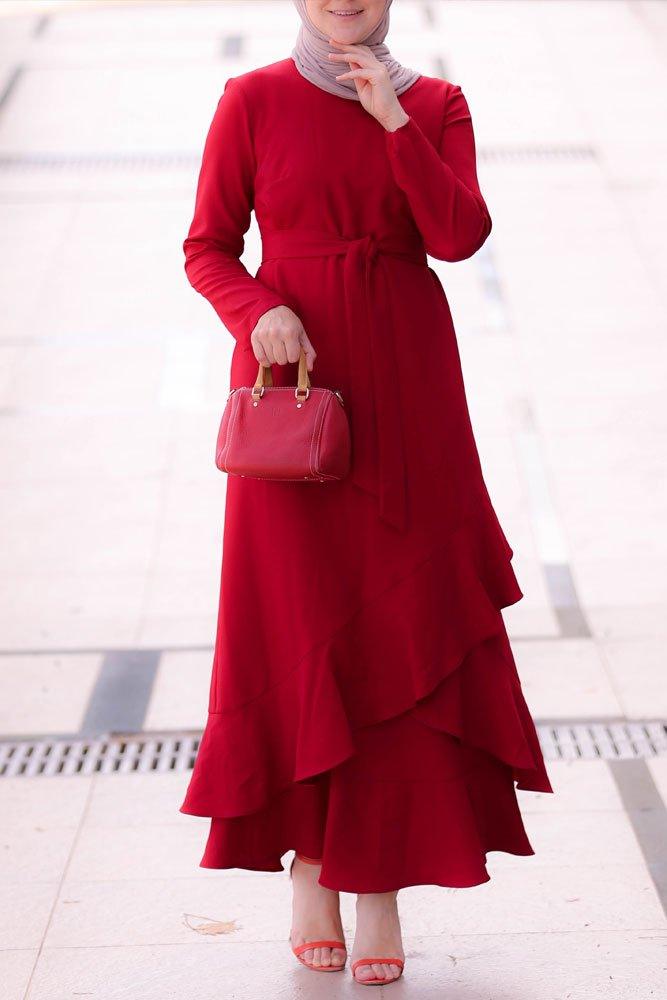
<point x="307" y="945"/>
<point x="380" y="961"/>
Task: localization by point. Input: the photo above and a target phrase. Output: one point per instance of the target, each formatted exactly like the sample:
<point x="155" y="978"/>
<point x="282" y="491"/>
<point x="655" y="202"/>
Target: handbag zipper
<point x="336" y="393"/>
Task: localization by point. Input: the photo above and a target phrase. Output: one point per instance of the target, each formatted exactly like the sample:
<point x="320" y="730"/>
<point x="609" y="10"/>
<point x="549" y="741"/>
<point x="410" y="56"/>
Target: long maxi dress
<point x="365" y="706"/>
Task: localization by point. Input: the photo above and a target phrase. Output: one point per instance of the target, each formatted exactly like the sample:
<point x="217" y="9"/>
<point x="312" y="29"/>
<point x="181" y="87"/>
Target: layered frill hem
<point x="393" y="747"/>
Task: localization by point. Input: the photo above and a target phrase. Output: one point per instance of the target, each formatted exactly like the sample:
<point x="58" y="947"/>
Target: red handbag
<point x="283" y="432"/>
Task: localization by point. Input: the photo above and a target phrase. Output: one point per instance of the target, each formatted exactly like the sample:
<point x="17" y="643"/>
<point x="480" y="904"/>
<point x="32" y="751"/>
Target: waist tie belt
<point x="378" y="455"/>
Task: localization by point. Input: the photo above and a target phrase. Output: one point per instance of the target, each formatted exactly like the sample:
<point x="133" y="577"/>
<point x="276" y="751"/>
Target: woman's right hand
<point x="278" y="338"/>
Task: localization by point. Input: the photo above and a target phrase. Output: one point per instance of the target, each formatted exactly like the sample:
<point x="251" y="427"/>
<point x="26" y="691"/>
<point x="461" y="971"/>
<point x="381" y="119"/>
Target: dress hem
<point x="463" y="883"/>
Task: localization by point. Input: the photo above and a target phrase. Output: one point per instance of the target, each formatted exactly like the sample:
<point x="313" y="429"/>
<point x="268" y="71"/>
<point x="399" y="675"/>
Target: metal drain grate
<point x="113" y="755"/>
<point x="604" y="740"/>
<point x="532" y="154"/>
<point x="159" y="753"/>
<point x="182" y="159"/>
<point x="99" y="161"/>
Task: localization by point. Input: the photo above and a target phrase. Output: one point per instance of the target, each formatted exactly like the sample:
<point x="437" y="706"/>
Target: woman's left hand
<point x="373" y="84"/>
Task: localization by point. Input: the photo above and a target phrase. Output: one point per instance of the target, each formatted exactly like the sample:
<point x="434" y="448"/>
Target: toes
<point x="323" y="957"/>
<point x="377" y="971"/>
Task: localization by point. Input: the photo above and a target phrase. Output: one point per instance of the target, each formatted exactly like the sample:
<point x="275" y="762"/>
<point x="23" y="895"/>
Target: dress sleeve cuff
<point x="404" y="132"/>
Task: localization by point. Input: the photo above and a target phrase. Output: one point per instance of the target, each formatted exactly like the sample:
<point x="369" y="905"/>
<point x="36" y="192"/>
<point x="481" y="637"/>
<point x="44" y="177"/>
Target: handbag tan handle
<point x="265" y="378"/>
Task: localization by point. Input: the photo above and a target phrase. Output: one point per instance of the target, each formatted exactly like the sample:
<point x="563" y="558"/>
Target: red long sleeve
<point x="441" y="184"/>
<point x="223" y="207"/>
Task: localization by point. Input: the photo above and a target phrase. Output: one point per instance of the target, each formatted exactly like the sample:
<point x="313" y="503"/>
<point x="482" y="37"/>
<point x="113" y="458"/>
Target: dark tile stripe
<point x="440" y="67"/>
<point x="549" y="539"/>
<point x="648" y="814"/>
<point x="429" y="14"/>
<point x="10" y="86"/>
<point x="565" y="601"/>
<point x="41" y="25"/>
<point x="77" y="650"/>
<point x="119" y="700"/>
<point x="232" y="46"/>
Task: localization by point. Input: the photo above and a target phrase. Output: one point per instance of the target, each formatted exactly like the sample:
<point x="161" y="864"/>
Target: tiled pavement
<point x="112" y="378"/>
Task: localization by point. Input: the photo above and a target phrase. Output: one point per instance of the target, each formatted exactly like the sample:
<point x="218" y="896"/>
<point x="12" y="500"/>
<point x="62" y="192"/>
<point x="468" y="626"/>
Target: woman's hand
<point x="278" y="338"/>
<point x="373" y="84"/>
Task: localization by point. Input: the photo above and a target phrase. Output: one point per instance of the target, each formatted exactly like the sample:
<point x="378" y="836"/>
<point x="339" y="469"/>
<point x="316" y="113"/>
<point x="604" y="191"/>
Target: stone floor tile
<point x="15" y="971"/>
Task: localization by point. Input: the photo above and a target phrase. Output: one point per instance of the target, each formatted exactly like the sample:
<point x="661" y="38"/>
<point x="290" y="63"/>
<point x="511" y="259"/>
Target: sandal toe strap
<point x="307" y="945"/>
<point x="378" y="961"/>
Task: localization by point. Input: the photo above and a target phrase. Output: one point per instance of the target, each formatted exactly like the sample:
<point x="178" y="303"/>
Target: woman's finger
<point x="350" y="46"/>
<point x="359" y="58"/>
<point x="354" y="63"/>
<point x="342" y="57"/>
<point x="280" y="353"/>
<point x="270" y="356"/>
<point x="292" y="349"/>
<point x="309" y="351"/>
<point x="260" y="354"/>
<point x="358" y="74"/>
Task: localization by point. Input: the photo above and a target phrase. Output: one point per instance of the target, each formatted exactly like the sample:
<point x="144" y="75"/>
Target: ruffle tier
<point x="394" y="745"/>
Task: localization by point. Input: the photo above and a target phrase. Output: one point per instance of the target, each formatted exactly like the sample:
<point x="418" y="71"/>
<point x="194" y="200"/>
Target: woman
<point x="365" y="709"/>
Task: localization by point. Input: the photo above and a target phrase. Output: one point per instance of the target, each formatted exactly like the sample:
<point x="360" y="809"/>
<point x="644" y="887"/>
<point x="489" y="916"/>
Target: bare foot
<point x="378" y="934"/>
<point x="315" y="916"/>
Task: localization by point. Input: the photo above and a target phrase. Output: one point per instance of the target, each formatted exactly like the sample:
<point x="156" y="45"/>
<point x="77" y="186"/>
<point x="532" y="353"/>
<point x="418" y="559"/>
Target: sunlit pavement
<point x="113" y="374"/>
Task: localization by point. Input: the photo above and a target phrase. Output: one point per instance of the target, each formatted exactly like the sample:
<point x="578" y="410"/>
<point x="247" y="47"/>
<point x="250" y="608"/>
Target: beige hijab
<point x="312" y="46"/>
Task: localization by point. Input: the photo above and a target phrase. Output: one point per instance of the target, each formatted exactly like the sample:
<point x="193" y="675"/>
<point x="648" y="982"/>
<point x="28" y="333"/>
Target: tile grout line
<point x="657" y="931"/>
<point x="186" y="648"/>
<point x="70" y="855"/>
<point x="153" y="732"/>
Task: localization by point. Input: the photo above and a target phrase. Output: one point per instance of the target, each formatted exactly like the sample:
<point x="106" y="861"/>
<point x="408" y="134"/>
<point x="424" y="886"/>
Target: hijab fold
<point x="312" y="47"/>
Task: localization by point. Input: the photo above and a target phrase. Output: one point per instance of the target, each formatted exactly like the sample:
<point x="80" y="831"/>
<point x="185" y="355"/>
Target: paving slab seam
<point x="60" y="884"/>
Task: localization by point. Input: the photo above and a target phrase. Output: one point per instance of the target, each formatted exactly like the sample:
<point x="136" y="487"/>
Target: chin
<point x="348" y="29"/>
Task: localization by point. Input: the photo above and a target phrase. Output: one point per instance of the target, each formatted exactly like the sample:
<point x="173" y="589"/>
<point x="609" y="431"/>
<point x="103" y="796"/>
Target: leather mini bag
<point x="288" y="433"/>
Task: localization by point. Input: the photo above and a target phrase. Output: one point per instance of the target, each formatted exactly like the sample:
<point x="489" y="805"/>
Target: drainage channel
<point x="182" y="159"/>
<point x="63" y="757"/>
<point x="164" y="752"/>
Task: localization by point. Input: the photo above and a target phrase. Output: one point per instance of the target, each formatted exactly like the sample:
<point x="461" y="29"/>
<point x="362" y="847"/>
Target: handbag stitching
<point x="225" y="443"/>
<point x="220" y="452"/>
<point x="318" y="423"/>
<point x="325" y="411"/>
<point x="236" y="402"/>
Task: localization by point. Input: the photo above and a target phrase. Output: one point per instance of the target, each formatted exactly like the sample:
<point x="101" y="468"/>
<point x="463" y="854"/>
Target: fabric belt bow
<point x="378" y="455"/>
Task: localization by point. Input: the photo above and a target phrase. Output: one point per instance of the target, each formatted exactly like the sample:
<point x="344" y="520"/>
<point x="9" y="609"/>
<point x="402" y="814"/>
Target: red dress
<point x="365" y="706"/>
